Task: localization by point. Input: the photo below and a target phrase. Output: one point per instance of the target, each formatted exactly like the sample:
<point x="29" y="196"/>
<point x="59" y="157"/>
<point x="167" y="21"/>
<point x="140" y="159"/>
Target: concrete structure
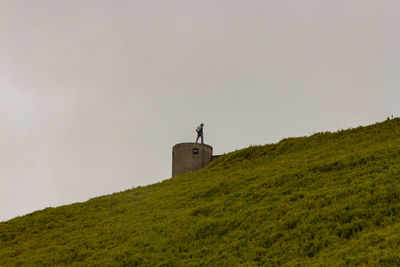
<point x="188" y="157"/>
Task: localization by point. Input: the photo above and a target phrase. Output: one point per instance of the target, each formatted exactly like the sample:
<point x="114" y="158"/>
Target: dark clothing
<point x="200" y="134"/>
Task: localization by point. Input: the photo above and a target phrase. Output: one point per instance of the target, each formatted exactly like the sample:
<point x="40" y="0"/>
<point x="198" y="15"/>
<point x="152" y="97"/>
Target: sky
<point x="94" y="93"/>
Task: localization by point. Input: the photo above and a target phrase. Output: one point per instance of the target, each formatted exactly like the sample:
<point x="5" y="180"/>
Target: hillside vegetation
<point x="331" y="199"/>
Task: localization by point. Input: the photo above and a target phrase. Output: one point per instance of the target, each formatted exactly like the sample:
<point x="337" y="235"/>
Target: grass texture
<point x="331" y="199"/>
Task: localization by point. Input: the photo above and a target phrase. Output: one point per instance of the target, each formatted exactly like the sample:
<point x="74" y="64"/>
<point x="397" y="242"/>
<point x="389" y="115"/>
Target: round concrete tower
<point x="188" y="157"/>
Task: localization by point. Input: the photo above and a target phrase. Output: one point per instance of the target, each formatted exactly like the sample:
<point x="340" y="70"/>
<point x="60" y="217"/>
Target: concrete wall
<point x="188" y="157"/>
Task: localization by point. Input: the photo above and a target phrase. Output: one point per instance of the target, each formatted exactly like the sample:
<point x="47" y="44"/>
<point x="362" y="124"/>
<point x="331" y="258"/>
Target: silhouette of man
<point x="199" y="131"/>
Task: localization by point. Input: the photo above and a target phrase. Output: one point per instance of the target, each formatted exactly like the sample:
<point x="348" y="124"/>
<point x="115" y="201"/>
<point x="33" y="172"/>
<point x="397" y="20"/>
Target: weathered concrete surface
<point x="188" y="157"/>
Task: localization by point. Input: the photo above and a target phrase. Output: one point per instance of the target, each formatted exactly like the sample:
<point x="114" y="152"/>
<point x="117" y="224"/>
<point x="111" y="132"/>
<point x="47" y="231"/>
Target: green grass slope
<point x="331" y="199"/>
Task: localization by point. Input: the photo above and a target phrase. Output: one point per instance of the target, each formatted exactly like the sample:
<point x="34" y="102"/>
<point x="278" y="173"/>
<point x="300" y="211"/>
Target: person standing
<point x="199" y="131"/>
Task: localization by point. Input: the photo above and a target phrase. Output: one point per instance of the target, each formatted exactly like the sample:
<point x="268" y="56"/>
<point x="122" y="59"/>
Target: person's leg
<point x="197" y="139"/>
<point x="202" y="139"/>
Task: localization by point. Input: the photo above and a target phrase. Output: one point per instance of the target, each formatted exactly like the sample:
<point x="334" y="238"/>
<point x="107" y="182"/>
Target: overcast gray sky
<point x="94" y="94"/>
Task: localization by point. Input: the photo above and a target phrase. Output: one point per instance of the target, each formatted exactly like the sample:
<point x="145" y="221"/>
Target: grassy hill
<point x="331" y="199"/>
